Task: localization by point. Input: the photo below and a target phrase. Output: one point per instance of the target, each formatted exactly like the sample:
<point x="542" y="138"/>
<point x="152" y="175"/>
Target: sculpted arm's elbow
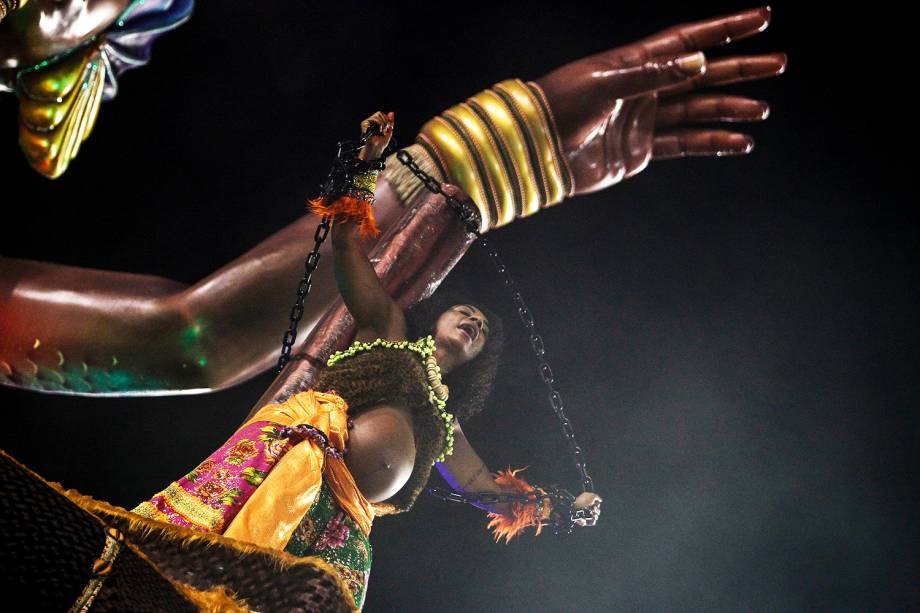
<point x="81" y="331"/>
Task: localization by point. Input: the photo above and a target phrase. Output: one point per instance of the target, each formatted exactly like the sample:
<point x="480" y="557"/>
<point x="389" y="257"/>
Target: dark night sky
<point x="735" y="338"/>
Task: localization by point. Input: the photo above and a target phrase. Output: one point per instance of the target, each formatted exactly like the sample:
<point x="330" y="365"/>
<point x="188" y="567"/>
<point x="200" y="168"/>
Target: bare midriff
<point x="381" y="451"/>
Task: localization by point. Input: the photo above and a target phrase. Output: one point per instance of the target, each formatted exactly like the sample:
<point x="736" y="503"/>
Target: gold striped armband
<point x="502" y="148"/>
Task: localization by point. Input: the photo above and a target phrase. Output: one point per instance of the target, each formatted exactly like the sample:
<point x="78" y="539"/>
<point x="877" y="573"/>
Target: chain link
<point x="303" y="290"/>
<point x="346" y="165"/>
<point x="562" y="517"/>
<point x="469" y="218"/>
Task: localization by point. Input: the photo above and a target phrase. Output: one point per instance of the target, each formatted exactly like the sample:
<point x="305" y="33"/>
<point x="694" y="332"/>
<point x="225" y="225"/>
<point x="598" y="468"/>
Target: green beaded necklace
<point x="437" y="391"/>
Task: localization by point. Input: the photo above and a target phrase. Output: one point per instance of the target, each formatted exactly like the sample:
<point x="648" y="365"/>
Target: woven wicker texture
<point x="50" y="544"/>
<point x="255" y="577"/>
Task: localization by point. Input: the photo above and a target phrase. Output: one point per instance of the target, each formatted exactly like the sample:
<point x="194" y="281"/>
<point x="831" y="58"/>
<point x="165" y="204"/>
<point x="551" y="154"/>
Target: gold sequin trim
<point x="191" y="508"/>
<point x="366" y="181"/>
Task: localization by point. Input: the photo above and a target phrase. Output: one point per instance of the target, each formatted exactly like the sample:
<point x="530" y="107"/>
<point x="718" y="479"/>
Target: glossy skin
<point x="45" y="28"/>
<point x="381" y="452"/>
<point x="460" y="334"/>
<point x="615" y="111"/>
<point x="619" y="109"/>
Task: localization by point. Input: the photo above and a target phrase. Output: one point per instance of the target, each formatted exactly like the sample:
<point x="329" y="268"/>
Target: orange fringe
<point x="523" y="515"/>
<point x="346" y="208"/>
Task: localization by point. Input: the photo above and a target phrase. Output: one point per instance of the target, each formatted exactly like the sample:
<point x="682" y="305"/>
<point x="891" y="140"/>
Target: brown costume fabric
<point x="385" y="376"/>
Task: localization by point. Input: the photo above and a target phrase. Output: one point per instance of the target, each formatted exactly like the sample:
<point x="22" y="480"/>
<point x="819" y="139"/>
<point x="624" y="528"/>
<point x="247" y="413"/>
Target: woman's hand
<point x="375" y="145"/>
<point x="619" y="109"/>
<point x="591" y="501"/>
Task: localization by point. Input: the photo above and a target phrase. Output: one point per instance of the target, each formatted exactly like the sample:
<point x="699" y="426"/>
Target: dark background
<point x="734" y="337"/>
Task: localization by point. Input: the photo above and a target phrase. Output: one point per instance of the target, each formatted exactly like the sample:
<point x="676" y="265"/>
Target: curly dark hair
<point x="471" y="383"/>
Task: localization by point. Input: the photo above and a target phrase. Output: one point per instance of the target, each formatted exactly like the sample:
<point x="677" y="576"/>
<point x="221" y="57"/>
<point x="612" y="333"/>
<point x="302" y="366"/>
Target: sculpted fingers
<point x="706" y="33"/>
<point x="701" y="108"/>
<point x="684" y="73"/>
<point x="733" y="70"/>
<point x="605" y="105"/>
<point x="649" y="76"/>
<point x="685" y="143"/>
<point x="745" y="68"/>
<point x="592" y="85"/>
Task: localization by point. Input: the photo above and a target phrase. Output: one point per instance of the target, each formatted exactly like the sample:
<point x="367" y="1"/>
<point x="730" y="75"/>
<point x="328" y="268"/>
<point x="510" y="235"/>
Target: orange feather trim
<point x="346" y="208"/>
<point x="523" y="515"/>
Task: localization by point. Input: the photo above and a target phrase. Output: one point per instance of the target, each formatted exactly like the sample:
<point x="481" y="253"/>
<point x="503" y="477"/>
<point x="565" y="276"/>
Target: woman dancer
<point x="284" y="480"/>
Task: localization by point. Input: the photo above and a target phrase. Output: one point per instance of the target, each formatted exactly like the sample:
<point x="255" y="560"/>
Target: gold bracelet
<point x="366" y="181"/>
<point x="502" y="148"/>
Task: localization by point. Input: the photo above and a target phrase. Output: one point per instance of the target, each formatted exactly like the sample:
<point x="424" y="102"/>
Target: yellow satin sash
<point x="276" y="508"/>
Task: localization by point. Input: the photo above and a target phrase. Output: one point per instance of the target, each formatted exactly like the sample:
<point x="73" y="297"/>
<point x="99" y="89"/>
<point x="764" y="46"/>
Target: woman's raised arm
<point x="376" y="313"/>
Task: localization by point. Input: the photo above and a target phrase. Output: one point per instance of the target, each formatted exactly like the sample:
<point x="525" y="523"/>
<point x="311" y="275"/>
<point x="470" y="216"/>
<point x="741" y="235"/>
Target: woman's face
<point x="461" y="332"/>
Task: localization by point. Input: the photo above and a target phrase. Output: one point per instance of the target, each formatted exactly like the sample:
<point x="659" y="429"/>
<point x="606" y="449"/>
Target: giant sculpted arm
<point x="515" y="149"/>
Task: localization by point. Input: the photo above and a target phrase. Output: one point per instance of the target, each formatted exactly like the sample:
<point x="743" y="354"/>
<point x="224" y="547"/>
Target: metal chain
<point x="563" y="515"/>
<point x="346" y="163"/>
<point x="470" y="221"/>
<point x="490" y="497"/>
<point x="309" y="265"/>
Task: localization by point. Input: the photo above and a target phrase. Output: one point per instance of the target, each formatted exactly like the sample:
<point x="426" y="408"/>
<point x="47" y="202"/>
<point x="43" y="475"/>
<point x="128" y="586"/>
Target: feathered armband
<point x="348" y="193"/>
<point x="523" y="514"/>
<point x="355" y="205"/>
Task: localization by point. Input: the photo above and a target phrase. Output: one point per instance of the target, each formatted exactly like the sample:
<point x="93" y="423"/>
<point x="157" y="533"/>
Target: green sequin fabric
<point x="329" y="532"/>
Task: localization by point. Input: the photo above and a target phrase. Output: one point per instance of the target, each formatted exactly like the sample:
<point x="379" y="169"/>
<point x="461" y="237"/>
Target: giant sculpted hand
<point x="619" y="109"/>
<point x="513" y="149"/>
